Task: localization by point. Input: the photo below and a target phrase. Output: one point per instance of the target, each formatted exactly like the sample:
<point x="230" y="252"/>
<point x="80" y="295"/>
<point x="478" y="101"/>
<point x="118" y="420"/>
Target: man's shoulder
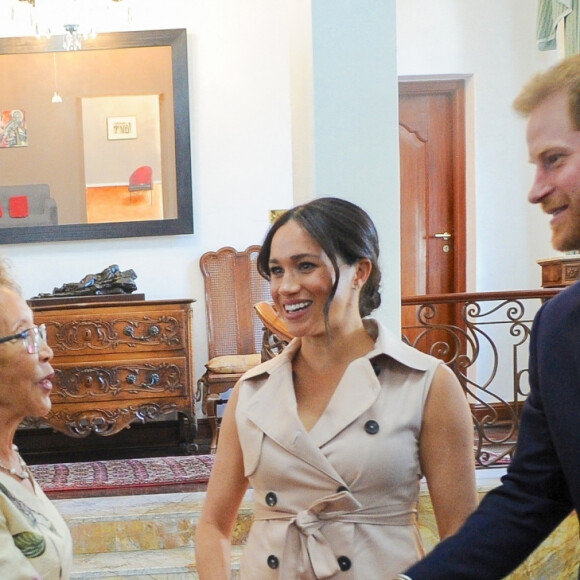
<point x="562" y="310"/>
<point x="568" y="298"/>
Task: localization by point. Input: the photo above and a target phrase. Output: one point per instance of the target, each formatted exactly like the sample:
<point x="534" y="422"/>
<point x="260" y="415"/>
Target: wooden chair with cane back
<point x="234" y="331"/>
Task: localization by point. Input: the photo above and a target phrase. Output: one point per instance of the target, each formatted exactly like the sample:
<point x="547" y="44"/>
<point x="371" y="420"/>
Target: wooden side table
<point x="117" y="362"/>
<point x="560" y="271"/>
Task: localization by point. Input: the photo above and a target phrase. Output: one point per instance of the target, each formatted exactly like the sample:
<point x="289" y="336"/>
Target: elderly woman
<point x="35" y="543"/>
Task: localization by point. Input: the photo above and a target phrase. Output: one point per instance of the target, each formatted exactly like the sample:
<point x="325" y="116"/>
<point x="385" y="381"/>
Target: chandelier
<point x="76" y="20"/>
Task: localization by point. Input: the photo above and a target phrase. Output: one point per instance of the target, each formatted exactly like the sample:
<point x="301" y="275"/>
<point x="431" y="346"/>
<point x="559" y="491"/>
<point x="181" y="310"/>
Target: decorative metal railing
<point x="483" y="337"/>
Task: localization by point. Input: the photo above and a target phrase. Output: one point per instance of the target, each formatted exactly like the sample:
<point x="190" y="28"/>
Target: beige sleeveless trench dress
<point x="339" y="501"/>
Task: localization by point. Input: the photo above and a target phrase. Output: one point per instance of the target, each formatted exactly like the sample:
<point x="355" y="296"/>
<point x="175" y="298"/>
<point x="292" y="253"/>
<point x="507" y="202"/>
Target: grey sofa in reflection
<point x="27" y="205"/>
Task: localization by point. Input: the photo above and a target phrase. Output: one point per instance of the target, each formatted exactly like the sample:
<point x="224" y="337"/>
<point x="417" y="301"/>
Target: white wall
<point x="494" y="41"/>
<point x="356" y="125"/>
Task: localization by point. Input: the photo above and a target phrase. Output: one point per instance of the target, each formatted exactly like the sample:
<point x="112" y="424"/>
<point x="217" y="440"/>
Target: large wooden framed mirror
<point x="95" y="143"/>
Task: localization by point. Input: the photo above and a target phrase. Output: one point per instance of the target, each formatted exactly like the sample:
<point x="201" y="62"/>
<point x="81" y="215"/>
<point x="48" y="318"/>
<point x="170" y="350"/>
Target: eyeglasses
<point x="32" y="338"/>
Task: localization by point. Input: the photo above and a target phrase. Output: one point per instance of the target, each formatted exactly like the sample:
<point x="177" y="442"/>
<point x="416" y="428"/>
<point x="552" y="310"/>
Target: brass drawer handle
<point x="154" y="331"/>
<point x="154" y="379"/>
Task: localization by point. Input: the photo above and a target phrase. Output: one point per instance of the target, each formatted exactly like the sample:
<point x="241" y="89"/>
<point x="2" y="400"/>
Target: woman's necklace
<point x="23" y="474"/>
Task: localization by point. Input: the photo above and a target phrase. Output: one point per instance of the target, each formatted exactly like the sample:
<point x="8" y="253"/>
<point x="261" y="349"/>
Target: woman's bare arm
<point x="447" y="455"/>
<point x="225" y="492"/>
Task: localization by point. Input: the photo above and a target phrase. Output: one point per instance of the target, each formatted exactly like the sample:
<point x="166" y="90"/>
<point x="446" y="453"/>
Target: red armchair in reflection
<point x="141" y="180"/>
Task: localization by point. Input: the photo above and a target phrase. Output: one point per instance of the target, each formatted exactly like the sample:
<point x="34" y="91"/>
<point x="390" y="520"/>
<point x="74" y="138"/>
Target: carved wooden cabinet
<point x="560" y="271"/>
<point x="117" y="363"/>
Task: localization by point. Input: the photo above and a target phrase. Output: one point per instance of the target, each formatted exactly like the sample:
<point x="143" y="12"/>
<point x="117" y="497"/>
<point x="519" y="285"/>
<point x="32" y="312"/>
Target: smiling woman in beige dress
<point x="335" y="434"/>
<point x="35" y="543"/>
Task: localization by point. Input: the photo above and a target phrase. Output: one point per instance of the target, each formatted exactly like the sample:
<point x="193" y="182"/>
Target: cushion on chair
<point x="18" y="206"/>
<point x="233" y="363"/>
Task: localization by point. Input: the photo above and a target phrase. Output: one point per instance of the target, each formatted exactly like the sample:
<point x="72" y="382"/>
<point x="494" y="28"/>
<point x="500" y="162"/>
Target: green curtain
<point x="550" y="13"/>
<point x="572" y="33"/>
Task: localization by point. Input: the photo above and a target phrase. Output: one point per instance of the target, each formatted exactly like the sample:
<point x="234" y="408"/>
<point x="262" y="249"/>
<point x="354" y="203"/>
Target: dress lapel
<point x="356" y="392"/>
<point x="273" y="410"/>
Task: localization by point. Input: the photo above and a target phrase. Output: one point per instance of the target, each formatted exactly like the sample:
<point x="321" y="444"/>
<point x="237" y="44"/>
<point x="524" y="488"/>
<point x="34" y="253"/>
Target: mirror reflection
<point x="122" y="160"/>
<point x="95" y="143"/>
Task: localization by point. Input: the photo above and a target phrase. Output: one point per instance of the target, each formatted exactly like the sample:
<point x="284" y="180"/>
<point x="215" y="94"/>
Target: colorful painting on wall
<point x="13" y="132"/>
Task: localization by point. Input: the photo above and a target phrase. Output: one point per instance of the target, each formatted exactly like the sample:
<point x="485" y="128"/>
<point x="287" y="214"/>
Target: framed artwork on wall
<point x="13" y="132"/>
<point x="121" y="128"/>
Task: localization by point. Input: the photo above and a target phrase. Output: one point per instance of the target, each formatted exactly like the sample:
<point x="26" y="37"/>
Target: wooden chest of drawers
<point x="119" y="362"/>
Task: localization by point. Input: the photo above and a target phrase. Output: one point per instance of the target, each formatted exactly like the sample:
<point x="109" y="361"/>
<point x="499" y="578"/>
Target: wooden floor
<point x="118" y="204"/>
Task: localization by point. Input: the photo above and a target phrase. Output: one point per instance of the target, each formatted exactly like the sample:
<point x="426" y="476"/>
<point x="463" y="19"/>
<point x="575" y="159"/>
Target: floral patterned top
<point x="35" y="542"/>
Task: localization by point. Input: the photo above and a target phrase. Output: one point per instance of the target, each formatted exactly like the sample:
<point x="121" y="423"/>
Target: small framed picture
<point x="121" y="128"/>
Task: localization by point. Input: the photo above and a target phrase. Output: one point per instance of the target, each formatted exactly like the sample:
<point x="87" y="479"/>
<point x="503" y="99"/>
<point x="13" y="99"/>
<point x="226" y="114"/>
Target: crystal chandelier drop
<point x="76" y="20"/>
<point x="72" y="37"/>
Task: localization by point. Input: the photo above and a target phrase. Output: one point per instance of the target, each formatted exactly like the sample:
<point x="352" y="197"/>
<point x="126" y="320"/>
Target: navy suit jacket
<point x="542" y="484"/>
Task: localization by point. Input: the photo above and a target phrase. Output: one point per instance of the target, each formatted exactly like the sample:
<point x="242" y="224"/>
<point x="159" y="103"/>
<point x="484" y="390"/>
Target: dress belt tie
<point x="304" y="535"/>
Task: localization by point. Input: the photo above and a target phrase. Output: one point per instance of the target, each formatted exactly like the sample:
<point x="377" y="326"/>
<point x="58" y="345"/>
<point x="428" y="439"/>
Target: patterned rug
<point x="124" y="476"/>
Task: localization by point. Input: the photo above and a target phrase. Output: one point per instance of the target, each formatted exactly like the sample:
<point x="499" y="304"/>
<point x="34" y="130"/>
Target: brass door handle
<point x="444" y="236"/>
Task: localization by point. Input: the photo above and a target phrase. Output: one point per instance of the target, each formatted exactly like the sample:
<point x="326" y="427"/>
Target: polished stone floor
<point x="150" y="537"/>
<point x="145" y="537"/>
